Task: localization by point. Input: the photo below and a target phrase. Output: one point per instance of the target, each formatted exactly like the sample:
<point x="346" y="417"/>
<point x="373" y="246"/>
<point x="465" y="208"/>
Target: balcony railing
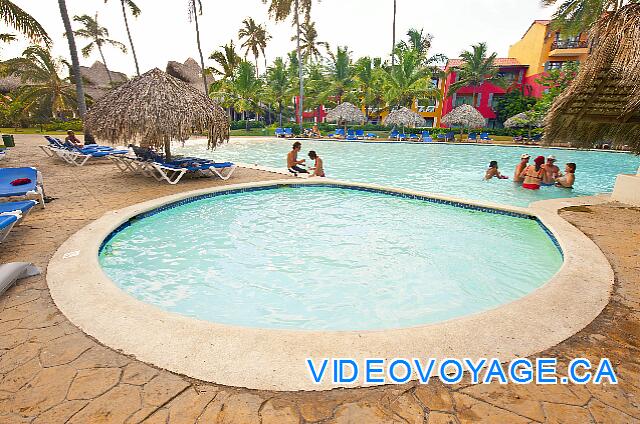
<point x="569" y="44"/>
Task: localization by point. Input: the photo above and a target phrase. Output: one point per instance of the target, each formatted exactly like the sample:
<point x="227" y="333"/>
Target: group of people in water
<point x="543" y="172"/>
<point x="296" y="166"/>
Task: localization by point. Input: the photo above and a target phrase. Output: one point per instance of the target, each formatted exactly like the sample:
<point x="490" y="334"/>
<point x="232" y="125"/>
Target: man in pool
<point x="524" y="162"/>
<point x="293" y="164"/>
<point x="569" y="178"/>
<point x="551" y="171"/>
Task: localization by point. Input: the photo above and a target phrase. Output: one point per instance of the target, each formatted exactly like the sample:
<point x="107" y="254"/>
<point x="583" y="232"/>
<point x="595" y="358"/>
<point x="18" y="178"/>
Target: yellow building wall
<point x="532" y="49"/>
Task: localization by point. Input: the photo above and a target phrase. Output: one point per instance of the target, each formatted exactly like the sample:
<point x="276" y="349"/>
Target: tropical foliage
<point x="576" y="16"/>
<point x="477" y="68"/>
<point x="47" y="93"/>
<point x="98" y="36"/>
<point x="254" y="39"/>
<point x="24" y="23"/>
<point x="512" y="103"/>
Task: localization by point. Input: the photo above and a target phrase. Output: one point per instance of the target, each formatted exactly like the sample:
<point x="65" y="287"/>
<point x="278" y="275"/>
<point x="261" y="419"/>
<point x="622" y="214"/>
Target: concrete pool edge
<point x="274" y="359"/>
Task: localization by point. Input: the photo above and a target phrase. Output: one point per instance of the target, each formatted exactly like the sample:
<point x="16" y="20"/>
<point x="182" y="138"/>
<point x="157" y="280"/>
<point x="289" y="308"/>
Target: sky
<point x="163" y="31"/>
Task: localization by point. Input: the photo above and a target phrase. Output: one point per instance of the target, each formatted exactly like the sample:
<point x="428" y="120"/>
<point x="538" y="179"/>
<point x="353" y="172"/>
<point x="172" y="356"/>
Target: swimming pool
<point x="455" y="170"/>
<point x="328" y="258"/>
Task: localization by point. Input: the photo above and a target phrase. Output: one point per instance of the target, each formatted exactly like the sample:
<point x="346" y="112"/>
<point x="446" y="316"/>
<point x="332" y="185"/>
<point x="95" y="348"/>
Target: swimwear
<point x="531" y="186"/>
<point x="296" y="168"/>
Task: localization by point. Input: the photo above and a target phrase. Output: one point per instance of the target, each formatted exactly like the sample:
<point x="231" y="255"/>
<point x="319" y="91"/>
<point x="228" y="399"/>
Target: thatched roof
<point x="404" y="116"/>
<point x="96" y="79"/>
<point x="603" y="102"/>
<point x="189" y="72"/>
<point x="465" y="116"/>
<point x="157" y="108"/>
<point x="522" y="119"/>
<point x="345" y="112"/>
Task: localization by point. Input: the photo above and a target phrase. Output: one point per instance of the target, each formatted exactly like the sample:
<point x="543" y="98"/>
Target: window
<point x="463" y="100"/>
<point x="555" y="65"/>
<point x="507" y="76"/>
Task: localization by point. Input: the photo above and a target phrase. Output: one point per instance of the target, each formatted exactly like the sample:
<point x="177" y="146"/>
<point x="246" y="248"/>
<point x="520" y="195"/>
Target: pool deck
<point x="51" y="372"/>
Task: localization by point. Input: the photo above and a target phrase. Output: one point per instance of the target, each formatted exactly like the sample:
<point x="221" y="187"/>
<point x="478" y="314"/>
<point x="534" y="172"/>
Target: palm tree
<point x="476" y="69"/>
<point x="393" y="45"/>
<point x="418" y="41"/>
<point x="576" y="16"/>
<point x="195" y="9"/>
<point x="227" y="60"/>
<point x="281" y="10"/>
<point x="46" y="89"/>
<point x="99" y="37"/>
<point x="242" y="90"/>
<point x="135" y="11"/>
<point x="22" y="22"/>
<point x="340" y="73"/>
<point x="75" y="63"/>
<point x="408" y="80"/>
<point x="277" y="89"/>
<point x="368" y="82"/>
<point x="309" y="42"/>
<point x="255" y="39"/>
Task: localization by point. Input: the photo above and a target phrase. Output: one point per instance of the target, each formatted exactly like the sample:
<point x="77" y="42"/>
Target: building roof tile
<point x="500" y="61"/>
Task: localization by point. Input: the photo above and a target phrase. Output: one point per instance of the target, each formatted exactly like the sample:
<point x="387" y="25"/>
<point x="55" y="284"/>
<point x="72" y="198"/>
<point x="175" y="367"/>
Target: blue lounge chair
<point x="394" y="134"/>
<point x="371" y="136"/>
<point x="485" y="137"/>
<point x="351" y="135"/>
<point x="360" y="134"/>
<point x="75" y="155"/>
<point x="426" y="137"/>
<point x="279" y="132"/>
<point x="6" y="224"/>
<point x="441" y="137"/>
<point x="536" y="138"/>
<point x="20" y="209"/>
<point x="288" y="132"/>
<point x="472" y="137"/>
<point x="34" y="188"/>
<point x="450" y="136"/>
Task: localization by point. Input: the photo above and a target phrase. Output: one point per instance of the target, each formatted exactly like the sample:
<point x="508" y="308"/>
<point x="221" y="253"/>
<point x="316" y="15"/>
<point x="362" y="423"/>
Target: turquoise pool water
<point x="320" y="258"/>
<point x="455" y="170"/>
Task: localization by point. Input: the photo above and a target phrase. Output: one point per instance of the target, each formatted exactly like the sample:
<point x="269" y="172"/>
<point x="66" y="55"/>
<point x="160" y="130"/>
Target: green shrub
<point x="241" y="125"/>
<point x="74" y="125"/>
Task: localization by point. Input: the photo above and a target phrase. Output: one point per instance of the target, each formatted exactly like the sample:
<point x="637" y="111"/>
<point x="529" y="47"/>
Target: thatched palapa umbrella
<point x="603" y="101"/>
<point x="157" y="108"/>
<point x="522" y="120"/>
<point x="404" y="117"/>
<point x="345" y="112"/>
<point x="464" y="116"/>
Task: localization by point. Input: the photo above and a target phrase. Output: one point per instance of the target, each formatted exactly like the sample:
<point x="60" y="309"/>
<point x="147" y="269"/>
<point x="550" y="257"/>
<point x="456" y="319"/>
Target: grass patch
<point x="28" y="131"/>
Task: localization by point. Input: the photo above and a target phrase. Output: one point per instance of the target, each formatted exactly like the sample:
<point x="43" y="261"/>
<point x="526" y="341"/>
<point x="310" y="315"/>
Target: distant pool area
<point x="447" y="169"/>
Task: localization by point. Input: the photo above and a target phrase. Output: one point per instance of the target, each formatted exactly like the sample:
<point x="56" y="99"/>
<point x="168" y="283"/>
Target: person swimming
<point x="533" y="174"/>
<point x="524" y="162"/>
<point x="493" y="171"/>
<point x="318" y="166"/>
<point x="569" y="178"/>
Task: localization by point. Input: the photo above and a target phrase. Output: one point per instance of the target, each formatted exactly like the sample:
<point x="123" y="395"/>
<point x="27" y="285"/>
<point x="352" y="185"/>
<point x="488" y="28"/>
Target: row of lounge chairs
<point x="352" y="135"/>
<point x="142" y="161"/>
<point x="18" y="183"/>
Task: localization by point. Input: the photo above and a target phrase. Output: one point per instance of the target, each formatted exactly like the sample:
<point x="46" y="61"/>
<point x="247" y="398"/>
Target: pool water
<point x="326" y="258"/>
<point x="455" y="170"/>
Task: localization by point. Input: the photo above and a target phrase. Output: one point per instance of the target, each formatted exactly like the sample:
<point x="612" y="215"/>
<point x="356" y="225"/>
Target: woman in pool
<point x="533" y="174"/>
<point x="569" y="178"/>
<point x="494" y="172"/>
<point x="318" y="166"/>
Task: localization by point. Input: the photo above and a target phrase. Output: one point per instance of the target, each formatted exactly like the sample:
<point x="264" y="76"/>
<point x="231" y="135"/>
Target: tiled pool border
<point x="271" y="359"/>
<point x="342" y="186"/>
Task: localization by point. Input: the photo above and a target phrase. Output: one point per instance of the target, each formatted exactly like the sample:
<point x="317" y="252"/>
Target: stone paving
<point x="51" y="372"/>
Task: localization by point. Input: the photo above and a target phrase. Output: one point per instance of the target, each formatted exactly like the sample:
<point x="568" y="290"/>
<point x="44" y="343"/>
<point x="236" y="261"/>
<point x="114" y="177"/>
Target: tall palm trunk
<point x="204" y="75"/>
<point x="300" y="73"/>
<point x="126" y="24"/>
<point x="393" y="48"/>
<point x="105" y="64"/>
<point x="75" y="63"/>
<point x="280" y="110"/>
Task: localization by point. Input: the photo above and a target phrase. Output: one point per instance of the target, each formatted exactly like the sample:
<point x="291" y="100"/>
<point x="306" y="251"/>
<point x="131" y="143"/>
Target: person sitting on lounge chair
<point x="318" y="166"/>
<point x="71" y="138"/>
<point x="293" y="164"/>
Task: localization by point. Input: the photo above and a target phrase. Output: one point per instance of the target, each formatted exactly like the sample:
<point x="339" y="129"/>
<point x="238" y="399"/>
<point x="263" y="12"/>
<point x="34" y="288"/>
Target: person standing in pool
<point x="318" y="166"/>
<point x="533" y="174"/>
<point x="293" y="164"/>
<point x="569" y="178"/>
<point x="551" y="171"/>
<point x="524" y="162"/>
